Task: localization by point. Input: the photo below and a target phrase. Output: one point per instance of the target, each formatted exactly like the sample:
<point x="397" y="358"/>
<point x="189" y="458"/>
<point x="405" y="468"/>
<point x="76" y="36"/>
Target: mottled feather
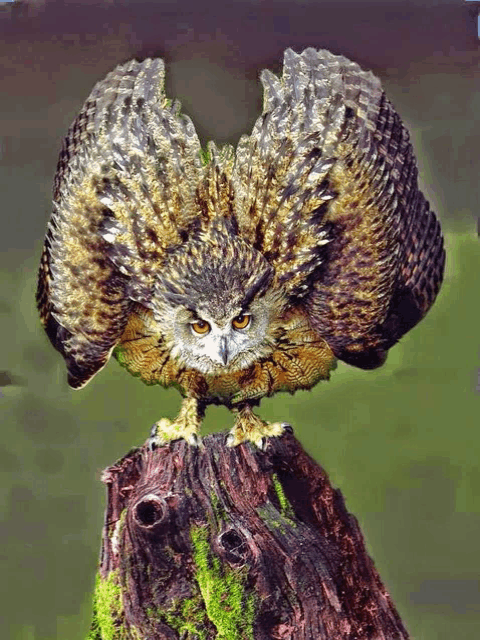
<point x="313" y="228"/>
<point x="326" y="187"/>
<point x="124" y="193"/>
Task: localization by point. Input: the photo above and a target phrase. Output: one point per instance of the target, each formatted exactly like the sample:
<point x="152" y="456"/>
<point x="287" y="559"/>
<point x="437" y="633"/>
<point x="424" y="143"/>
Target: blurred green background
<point x="401" y="442"/>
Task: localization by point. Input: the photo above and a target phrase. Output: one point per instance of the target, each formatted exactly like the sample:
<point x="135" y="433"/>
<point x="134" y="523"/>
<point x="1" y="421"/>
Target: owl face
<point x="217" y="305"/>
<point x="215" y="343"/>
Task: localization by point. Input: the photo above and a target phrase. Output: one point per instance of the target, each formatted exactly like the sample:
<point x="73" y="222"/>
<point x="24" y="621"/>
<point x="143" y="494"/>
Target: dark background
<point x="401" y="442"/>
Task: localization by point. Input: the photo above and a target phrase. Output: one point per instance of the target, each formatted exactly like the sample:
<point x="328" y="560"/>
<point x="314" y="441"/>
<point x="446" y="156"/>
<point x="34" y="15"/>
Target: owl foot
<point x="250" y="428"/>
<point x="185" y="426"/>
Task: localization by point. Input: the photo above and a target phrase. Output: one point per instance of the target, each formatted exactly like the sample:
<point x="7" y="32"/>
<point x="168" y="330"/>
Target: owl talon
<point x="184" y="427"/>
<point x="250" y="428"/>
<point x="165" y="431"/>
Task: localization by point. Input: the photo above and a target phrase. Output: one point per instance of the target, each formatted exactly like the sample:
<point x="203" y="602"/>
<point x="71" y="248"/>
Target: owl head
<point x="216" y="304"/>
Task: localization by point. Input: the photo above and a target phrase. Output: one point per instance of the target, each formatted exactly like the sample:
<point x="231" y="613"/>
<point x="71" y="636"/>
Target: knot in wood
<point x="235" y="547"/>
<point x="149" y="511"/>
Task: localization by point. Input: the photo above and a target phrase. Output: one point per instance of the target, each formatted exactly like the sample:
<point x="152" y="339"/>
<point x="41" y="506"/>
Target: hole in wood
<point x="235" y="546"/>
<point x="231" y="540"/>
<point x="149" y="511"/>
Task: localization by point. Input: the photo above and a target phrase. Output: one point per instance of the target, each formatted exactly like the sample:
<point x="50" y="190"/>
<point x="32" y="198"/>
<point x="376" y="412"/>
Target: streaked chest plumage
<point x="299" y="360"/>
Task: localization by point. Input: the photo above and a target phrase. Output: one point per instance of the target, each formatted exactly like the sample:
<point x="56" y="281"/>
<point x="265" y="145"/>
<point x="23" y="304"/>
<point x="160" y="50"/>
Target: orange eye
<point x="200" y="326"/>
<point x="241" y="321"/>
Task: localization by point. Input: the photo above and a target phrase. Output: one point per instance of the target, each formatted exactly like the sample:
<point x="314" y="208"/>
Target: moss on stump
<point x="219" y="543"/>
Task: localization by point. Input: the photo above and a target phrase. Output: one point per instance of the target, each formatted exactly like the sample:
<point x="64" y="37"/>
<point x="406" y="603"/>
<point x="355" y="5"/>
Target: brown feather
<point x="318" y="211"/>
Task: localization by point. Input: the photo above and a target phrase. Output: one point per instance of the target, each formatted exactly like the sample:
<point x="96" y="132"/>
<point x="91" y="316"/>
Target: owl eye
<point x="200" y="326"/>
<point x="241" y="321"/>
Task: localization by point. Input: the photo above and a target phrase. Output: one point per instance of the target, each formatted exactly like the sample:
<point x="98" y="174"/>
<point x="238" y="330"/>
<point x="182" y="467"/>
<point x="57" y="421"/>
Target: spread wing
<point x="124" y="192"/>
<point x="326" y="187"/>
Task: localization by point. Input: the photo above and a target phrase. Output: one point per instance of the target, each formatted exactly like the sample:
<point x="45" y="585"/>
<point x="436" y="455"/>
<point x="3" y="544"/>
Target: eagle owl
<point x="232" y="274"/>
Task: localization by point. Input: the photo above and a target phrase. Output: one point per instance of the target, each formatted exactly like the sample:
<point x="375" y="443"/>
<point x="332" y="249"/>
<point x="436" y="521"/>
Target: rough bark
<point x="234" y="543"/>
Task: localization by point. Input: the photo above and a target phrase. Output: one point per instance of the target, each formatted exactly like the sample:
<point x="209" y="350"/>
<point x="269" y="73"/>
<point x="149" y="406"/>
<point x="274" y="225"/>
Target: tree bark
<point x="234" y="543"/>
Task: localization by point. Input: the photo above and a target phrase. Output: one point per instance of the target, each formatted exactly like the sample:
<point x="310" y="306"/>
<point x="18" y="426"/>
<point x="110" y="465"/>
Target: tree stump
<point x="234" y="543"/>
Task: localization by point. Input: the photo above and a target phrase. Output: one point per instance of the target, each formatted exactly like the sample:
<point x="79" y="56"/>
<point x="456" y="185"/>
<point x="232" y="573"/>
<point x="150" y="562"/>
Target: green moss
<point x="283" y="520"/>
<point x="218" y="510"/>
<point x="188" y="616"/>
<point x="285" y="506"/>
<point x="107" y="609"/>
<point x="227" y="604"/>
<point x="221" y="601"/>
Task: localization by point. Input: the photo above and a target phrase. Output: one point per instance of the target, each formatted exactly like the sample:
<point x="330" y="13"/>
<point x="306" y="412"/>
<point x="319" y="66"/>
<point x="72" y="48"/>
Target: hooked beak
<point x="223" y="350"/>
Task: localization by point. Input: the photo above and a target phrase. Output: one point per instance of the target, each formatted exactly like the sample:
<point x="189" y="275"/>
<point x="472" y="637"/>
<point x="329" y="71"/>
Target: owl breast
<point x="298" y="360"/>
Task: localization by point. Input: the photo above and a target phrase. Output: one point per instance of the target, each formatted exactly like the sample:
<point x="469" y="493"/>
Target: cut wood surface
<point x="235" y="543"/>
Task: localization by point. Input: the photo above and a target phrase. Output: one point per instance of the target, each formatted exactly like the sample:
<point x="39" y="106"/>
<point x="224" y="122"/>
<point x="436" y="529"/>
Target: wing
<point x="124" y="192"/>
<point x="326" y="188"/>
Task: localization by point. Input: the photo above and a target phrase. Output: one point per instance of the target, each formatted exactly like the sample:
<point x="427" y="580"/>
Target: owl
<point x="233" y="273"/>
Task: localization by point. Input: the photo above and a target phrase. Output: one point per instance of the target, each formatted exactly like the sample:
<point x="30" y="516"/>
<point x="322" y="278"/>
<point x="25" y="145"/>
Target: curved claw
<point x="152" y="441"/>
<point x="152" y="445"/>
<point x="230" y="440"/>
<point x="287" y="428"/>
<point x="155" y="441"/>
<point x="262" y="443"/>
<point x="194" y="440"/>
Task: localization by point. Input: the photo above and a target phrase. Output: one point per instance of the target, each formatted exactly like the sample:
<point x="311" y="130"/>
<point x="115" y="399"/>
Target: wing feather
<point x="124" y="191"/>
<point x="326" y="187"/>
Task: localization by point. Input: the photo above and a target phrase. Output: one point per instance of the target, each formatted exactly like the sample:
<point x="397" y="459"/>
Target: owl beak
<point x="223" y="350"/>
